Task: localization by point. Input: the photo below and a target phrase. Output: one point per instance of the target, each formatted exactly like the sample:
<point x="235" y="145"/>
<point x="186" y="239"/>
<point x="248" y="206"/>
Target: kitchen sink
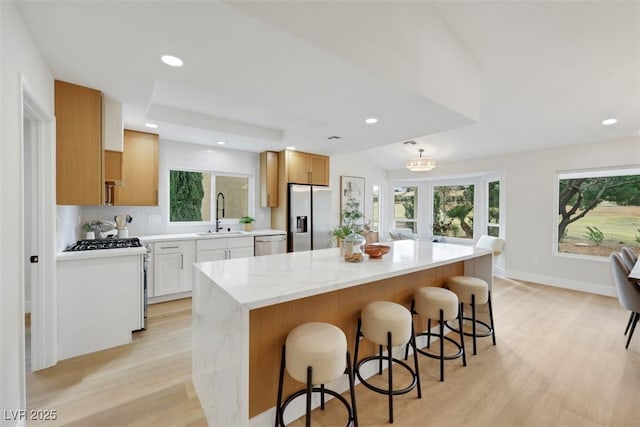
<point x="221" y="233"/>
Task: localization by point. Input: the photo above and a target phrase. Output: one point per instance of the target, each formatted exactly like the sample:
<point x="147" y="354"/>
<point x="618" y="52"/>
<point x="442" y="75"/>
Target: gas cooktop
<point x="93" y="244"/>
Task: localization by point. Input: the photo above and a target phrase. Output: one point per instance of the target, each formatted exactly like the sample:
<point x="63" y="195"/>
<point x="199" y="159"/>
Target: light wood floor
<point x="560" y="361"/>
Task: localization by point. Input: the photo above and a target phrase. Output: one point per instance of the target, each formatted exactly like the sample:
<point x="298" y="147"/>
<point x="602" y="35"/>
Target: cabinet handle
<point x="169" y="247"/>
<point x="181" y="261"/>
<point x="268" y="203"/>
<point x="309" y="176"/>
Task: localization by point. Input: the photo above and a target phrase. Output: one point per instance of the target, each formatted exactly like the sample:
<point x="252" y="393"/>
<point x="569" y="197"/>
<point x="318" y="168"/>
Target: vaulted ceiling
<point x="463" y="79"/>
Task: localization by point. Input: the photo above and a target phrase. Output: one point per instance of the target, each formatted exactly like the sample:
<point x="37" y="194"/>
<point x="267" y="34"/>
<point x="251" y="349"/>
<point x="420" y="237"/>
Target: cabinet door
<point x="268" y="179"/>
<point x="78" y="113"/>
<point x="319" y="170"/>
<point x="189" y="257"/>
<point x="298" y="167"/>
<point x="245" y="252"/>
<point x="168" y="273"/>
<point x="140" y="170"/>
<point x="211" y="255"/>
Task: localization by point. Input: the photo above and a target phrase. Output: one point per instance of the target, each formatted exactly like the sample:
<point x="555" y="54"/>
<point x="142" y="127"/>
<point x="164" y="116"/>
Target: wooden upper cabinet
<point x="113" y="166"/>
<point x="79" y="176"/>
<point x="139" y="170"/>
<point x="319" y="170"/>
<point x="306" y="168"/>
<point x="269" y="179"/>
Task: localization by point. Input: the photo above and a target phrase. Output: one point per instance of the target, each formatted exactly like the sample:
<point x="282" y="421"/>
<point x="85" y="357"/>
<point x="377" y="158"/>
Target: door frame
<point x="44" y="331"/>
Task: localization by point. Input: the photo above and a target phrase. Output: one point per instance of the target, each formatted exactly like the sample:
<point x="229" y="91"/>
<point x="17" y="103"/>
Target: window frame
<point x="418" y="207"/>
<point x="581" y="173"/>
<point x="214" y="174"/>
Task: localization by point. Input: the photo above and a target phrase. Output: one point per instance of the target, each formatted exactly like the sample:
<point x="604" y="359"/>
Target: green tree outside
<point x="185" y="192"/>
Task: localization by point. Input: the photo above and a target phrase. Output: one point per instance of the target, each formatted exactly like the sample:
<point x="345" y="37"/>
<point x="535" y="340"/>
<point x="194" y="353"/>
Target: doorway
<point x="38" y="212"/>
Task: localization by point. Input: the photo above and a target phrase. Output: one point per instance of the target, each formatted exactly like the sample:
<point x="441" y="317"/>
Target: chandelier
<point x="420" y="164"/>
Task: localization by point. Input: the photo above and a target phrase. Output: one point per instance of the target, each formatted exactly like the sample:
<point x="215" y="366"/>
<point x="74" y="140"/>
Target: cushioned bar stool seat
<point x="473" y="291"/>
<point x="387" y="324"/>
<point x="316" y="353"/>
<point x="439" y="304"/>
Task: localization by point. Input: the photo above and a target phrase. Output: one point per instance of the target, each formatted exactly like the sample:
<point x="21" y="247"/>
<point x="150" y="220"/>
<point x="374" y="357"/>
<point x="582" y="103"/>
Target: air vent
<point x="334" y="137"/>
<point x="409" y="142"/>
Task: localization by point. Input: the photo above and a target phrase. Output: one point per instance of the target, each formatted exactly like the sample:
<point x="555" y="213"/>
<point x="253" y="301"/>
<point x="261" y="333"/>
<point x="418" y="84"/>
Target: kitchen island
<point x="243" y="310"/>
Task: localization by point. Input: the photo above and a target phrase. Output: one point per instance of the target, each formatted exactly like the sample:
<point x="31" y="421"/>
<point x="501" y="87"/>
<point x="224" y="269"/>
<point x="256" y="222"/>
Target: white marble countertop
<point x="199" y="236"/>
<point x="98" y="253"/>
<point x="267" y="280"/>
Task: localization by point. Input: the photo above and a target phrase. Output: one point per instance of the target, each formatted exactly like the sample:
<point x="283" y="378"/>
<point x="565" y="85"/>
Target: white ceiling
<point x="463" y="79"/>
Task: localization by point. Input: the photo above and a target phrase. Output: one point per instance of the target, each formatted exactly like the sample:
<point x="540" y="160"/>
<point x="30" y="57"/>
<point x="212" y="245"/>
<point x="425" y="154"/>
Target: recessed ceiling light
<point x="371" y="120"/>
<point x="209" y="151"/>
<point x="291" y="147"/>
<point x="151" y="125"/>
<point x="171" y="60"/>
<point x="220" y="142"/>
<point x="608" y="122"/>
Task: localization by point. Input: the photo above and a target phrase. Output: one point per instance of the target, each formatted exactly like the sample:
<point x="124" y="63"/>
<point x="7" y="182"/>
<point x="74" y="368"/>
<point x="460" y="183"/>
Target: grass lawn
<point x="619" y="224"/>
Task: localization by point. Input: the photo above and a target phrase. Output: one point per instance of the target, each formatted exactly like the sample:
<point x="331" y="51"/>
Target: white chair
<point x="401" y="234"/>
<point x="488" y="242"/>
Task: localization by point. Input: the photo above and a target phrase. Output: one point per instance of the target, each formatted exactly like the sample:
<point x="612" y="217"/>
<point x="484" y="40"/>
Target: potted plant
<point x="247" y="221"/>
<point x="89" y="232"/>
<point x="350" y="219"/>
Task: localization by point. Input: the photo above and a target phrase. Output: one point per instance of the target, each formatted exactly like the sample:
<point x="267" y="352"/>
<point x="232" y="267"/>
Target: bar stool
<point x="316" y="353"/>
<point x="473" y="291"/>
<point x="387" y="324"/>
<point x="439" y="304"/>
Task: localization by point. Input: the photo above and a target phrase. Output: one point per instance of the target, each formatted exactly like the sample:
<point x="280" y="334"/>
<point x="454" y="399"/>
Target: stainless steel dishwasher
<point x="269" y="245"/>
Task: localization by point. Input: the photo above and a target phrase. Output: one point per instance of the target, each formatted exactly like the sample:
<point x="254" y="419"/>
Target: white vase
<point x="90" y="235"/>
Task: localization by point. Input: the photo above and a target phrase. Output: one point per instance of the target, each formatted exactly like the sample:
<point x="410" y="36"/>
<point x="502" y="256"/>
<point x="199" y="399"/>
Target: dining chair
<point x="628" y="291"/>
<point x="629" y="257"/>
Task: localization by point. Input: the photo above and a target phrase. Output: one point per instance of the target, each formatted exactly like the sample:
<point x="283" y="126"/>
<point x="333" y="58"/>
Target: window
<point x="493" y="214"/>
<point x="598" y="211"/>
<point x="453" y="211"/>
<point x="404" y="207"/>
<point x="375" y="214"/>
<point x="204" y="196"/>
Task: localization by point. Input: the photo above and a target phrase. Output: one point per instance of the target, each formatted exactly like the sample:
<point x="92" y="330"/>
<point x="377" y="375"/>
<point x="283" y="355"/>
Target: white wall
<point x="529" y="186"/>
<point x="19" y="55"/>
<point x="352" y="165"/>
<point x="179" y="155"/>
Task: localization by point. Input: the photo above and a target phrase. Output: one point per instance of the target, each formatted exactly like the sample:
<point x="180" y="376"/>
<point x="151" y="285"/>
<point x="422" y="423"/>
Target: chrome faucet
<point x="218" y="228"/>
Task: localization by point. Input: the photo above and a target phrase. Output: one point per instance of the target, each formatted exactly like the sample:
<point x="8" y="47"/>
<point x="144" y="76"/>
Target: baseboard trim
<point x="557" y="282"/>
<point x="170" y="297"/>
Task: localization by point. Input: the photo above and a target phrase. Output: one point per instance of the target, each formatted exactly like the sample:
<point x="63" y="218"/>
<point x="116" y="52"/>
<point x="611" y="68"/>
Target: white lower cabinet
<point x="224" y="248"/>
<point x="172" y="271"/>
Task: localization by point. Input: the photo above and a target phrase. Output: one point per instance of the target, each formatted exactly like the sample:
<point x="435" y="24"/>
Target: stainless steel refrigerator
<point x="309" y="217"/>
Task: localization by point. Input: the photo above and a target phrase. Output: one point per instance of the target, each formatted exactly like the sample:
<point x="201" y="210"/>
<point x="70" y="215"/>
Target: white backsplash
<point x="153" y="220"/>
<point x="68" y="222"/>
